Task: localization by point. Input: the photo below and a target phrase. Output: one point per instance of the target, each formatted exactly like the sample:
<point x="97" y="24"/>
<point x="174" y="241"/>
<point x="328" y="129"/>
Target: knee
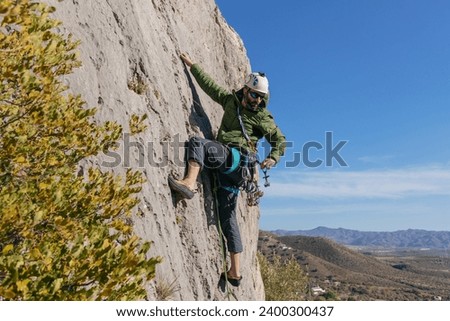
<point x="194" y="141"/>
<point x="197" y="140"/>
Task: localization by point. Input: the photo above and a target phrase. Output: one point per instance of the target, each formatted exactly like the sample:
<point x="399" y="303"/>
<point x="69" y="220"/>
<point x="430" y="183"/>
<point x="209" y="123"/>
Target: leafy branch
<point x="63" y="236"/>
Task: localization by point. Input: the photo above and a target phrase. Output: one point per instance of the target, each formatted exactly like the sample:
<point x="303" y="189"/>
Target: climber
<point x="233" y="155"/>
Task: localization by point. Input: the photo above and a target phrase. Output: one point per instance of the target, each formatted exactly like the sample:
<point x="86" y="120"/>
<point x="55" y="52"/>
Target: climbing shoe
<point x="176" y="186"/>
<point x="233" y="281"/>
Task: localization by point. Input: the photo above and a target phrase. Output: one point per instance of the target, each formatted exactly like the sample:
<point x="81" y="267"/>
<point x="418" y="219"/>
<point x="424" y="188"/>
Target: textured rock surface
<point x="130" y="52"/>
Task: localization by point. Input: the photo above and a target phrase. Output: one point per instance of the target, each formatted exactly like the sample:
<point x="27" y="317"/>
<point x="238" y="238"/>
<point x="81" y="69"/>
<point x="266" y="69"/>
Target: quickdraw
<point x="266" y="177"/>
<point x="254" y="194"/>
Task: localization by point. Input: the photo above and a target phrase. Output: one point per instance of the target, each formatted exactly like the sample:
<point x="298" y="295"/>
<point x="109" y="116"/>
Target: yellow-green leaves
<point x="137" y="124"/>
<point x="7" y="249"/>
<point x="63" y="236"/>
<point x="284" y="280"/>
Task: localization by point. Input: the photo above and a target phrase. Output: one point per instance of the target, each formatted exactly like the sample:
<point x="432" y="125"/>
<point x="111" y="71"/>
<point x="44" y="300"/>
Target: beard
<point x="251" y="104"/>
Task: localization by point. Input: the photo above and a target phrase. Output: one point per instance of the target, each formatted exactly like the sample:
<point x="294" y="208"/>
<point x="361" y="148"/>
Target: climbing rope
<point x="253" y="196"/>
<point x="229" y="291"/>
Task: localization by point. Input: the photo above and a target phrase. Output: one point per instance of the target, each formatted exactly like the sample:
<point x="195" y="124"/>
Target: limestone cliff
<point x="130" y="53"/>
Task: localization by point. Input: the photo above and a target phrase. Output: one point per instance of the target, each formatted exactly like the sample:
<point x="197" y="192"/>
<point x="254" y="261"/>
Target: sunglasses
<point x="255" y="95"/>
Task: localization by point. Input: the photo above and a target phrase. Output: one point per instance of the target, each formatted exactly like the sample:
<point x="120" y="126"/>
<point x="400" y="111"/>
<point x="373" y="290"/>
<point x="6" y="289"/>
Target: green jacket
<point x="258" y="124"/>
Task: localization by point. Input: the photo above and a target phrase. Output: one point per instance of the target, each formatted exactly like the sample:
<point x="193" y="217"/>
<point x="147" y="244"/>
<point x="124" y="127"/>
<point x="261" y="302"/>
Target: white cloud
<point x="365" y="209"/>
<point x="376" y="159"/>
<point x="386" y="184"/>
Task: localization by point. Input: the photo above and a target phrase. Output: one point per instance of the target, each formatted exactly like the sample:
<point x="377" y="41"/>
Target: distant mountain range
<point x="399" y="239"/>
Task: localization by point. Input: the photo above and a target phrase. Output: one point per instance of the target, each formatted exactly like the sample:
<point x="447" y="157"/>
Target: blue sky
<point x="376" y="74"/>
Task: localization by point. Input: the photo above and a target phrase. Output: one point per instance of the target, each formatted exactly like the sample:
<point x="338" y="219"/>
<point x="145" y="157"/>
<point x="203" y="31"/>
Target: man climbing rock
<point x="245" y="121"/>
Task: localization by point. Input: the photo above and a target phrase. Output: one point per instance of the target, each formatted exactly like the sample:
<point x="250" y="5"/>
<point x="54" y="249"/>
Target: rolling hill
<point x="346" y="274"/>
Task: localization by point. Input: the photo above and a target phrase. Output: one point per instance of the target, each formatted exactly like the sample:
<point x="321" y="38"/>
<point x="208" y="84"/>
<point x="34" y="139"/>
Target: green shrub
<point x="283" y="280"/>
<point x="330" y="296"/>
<point x="63" y="235"/>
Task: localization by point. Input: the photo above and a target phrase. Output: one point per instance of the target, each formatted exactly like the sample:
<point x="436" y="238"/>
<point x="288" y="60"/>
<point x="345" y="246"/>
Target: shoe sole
<point x="233" y="282"/>
<point x="180" y="188"/>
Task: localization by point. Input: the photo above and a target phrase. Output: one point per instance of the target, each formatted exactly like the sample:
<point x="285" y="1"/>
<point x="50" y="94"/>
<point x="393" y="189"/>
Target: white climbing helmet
<point x="257" y="81"/>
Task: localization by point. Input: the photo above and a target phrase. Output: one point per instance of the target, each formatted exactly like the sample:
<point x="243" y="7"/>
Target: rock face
<point x="130" y="53"/>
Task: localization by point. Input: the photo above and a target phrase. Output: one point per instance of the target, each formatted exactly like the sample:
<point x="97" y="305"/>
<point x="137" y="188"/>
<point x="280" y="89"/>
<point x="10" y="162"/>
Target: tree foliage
<point x="64" y="235"/>
<point x="283" y="280"/>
